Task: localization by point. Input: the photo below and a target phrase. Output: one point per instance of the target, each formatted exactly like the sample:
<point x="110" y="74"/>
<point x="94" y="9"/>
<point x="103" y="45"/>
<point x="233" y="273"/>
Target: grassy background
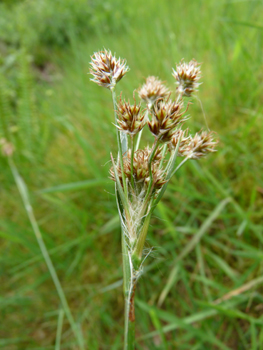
<point x="61" y="126"/>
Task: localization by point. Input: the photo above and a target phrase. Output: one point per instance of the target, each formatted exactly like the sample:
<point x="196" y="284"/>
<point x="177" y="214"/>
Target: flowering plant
<point x="141" y="175"/>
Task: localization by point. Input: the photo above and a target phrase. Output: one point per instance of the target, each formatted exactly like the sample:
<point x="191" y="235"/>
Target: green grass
<point x="61" y="125"/>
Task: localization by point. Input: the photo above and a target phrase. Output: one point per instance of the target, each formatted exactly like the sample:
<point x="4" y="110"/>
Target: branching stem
<point x="122" y="144"/>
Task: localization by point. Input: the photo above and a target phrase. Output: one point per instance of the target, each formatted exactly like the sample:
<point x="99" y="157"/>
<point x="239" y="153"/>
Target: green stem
<point x="155" y="145"/>
<point x="129" y="327"/>
<point x="126" y="287"/>
<point x="25" y="198"/>
<point x="179" y="166"/>
<point x="122" y="144"/>
<point x="132" y="155"/>
<point x="129" y="341"/>
<point x="138" y="140"/>
<point x="131" y="336"/>
<point x="119" y="187"/>
<point x="137" y="253"/>
<point x="140" y="134"/>
<point x="163" y="155"/>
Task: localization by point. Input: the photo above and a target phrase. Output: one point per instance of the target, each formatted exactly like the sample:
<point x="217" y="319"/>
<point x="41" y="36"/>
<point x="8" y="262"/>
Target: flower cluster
<point x="130" y="118"/>
<point x="106" y="69"/>
<point x="193" y="147"/>
<point x="142" y="174"/>
<point x="140" y="171"/>
<point x="152" y="91"/>
<point x="187" y="76"/>
<point x="166" y="116"/>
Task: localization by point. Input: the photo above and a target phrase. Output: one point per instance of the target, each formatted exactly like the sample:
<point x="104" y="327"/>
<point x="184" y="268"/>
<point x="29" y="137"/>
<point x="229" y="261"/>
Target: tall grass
<point x="53" y="123"/>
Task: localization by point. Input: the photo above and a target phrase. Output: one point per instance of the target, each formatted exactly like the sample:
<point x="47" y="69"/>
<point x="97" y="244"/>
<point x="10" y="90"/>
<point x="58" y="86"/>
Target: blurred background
<point x="202" y="285"/>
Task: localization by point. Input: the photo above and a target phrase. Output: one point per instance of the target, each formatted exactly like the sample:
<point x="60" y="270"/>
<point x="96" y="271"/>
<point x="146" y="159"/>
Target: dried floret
<point x="152" y="91"/>
<point x="182" y="136"/>
<point x="130" y="118"/>
<point x="201" y="144"/>
<point x="106" y="69"/>
<point x="141" y="169"/>
<point x="166" y="116"/>
<point x="187" y="76"/>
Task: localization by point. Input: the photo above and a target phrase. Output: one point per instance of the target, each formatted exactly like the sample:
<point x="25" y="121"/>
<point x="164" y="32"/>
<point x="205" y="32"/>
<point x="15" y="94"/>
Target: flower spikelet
<point x="130" y="118"/>
<point x="182" y="136"/>
<point x="141" y="169"/>
<point x="153" y="90"/>
<point x="201" y="144"/>
<point x="187" y="76"/>
<point x="166" y="116"/>
<point x="106" y="69"/>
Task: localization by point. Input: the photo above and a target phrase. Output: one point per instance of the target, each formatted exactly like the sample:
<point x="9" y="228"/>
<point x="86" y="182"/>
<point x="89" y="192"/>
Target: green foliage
<point x="44" y="25"/>
<point x="61" y="126"/>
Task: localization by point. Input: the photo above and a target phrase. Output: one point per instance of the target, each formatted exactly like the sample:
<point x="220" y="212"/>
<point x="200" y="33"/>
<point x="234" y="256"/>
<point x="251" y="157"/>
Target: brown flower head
<point x="187" y="76"/>
<point x="153" y="90"/>
<point x="130" y="119"/>
<point x="106" y="69"/>
<point x="166" y="116"/>
<point x="201" y="144"/>
<point x="141" y="169"/>
<point x="181" y="135"/>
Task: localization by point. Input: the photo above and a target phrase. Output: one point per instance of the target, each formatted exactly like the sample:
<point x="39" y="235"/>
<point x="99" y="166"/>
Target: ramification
<point x="142" y="175"/>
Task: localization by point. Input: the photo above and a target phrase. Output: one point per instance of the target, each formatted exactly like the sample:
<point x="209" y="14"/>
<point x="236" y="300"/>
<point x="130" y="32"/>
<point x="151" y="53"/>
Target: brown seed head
<point x="166" y="116"/>
<point x="181" y="135"/>
<point x="153" y="90"/>
<point x="201" y="144"/>
<point x="187" y="76"/>
<point x="141" y="169"/>
<point x="130" y="119"/>
<point x="106" y="69"/>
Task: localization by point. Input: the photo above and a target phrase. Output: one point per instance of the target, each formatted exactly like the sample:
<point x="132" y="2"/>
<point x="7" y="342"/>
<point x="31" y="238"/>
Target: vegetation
<point x="205" y="286"/>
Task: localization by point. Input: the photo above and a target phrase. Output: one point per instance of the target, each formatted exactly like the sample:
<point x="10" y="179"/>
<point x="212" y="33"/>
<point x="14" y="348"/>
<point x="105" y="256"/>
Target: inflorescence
<point x="141" y="175"/>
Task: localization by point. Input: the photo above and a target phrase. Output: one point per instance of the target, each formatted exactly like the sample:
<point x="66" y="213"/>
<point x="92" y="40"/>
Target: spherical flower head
<point x="201" y="144"/>
<point x="166" y="116"/>
<point x="130" y="118"/>
<point x="153" y="90"/>
<point x="181" y="137"/>
<point x="187" y="76"/>
<point x="106" y="69"/>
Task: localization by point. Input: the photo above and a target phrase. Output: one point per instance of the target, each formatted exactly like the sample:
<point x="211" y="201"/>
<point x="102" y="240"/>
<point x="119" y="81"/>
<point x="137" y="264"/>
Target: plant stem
<point x="25" y="198"/>
<point x="129" y="295"/>
<point x="132" y="155"/>
<point x="155" y="145"/>
<point x="179" y="165"/>
<point x="140" y="133"/>
<point x="138" y="140"/>
<point x="129" y="327"/>
<point x="163" y="156"/>
<point x="137" y="254"/>
<point x="129" y="341"/>
<point x="169" y="171"/>
<point x="122" y="143"/>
